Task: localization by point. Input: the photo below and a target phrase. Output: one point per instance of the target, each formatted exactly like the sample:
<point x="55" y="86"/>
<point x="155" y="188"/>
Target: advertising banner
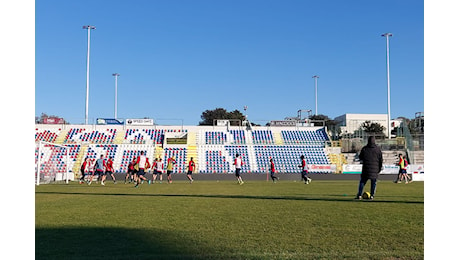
<point x="417" y="171"/>
<point x="352" y="168"/>
<point x="145" y="121"/>
<point x="387" y="169"/>
<point x="390" y="169"/>
<point x="328" y="168"/>
<point x="53" y="120"/>
<point x="283" y="123"/>
<point x="108" y="121"/>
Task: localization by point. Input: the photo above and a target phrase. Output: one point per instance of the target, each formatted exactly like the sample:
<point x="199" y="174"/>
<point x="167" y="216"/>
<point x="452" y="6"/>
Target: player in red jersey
<point x="304" y="168"/>
<point x="191" y="169"/>
<point x="272" y="171"/>
<point x="109" y="170"/>
<point x="154" y="170"/>
<point x="84" y="168"/>
<point x="130" y="172"/>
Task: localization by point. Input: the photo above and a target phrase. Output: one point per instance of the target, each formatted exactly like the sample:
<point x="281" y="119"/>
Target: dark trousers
<point x="305" y="175"/>
<point x="272" y="175"/>
<point x="362" y="183"/>
<point x="82" y="178"/>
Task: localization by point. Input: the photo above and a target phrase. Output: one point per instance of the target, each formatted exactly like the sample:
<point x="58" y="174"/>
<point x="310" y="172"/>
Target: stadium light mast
<point x="245" y="113"/>
<point x="116" y="90"/>
<point x="387" y="36"/>
<point x="316" y="94"/>
<point x="87" y="27"/>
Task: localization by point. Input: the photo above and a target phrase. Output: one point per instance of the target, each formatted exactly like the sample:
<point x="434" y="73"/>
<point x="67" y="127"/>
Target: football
<point x="366" y="195"/>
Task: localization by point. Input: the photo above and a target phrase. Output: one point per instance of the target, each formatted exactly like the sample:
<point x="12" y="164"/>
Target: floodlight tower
<point x="89" y="28"/>
<point x="245" y="113"/>
<point x="316" y="94"/>
<point x="387" y="36"/>
<point x="116" y="90"/>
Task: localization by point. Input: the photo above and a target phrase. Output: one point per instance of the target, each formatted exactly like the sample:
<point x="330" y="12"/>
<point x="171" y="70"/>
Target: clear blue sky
<point x="178" y="58"/>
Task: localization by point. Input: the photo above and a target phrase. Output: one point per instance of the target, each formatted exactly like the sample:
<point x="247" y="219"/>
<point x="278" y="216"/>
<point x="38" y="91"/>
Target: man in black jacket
<point x="372" y="160"/>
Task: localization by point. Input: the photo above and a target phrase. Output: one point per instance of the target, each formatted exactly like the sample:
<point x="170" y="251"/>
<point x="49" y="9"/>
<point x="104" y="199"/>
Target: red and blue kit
<point x="191" y="167"/>
<point x="109" y="166"/>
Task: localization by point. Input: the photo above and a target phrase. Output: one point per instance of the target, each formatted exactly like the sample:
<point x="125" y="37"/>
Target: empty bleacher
<point x="47" y="135"/>
<point x="214" y="137"/>
<point x="318" y="136"/>
<point x="239" y="136"/>
<point x="262" y="137"/>
<point x="83" y="135"/>
<point x="216" y="162"/>
<point x="143" y="136"/>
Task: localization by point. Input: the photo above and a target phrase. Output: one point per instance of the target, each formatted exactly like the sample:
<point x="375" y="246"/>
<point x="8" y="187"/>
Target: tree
<point x="372" y="127"/>
<point x="209" y="116"/>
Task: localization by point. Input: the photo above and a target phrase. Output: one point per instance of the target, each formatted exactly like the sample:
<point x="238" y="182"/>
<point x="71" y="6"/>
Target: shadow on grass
<point x="92" y="243"/>
<point x="336" y="198"/>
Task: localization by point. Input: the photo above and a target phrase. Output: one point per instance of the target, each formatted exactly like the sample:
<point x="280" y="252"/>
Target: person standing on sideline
<point x="238" y="164"/>
<point x="109" y="170"/>
<point x="83" y="169"/>
<point x="191" y="169"/>
<point x="143" y="163"/>
<point x="169" y="168"/>
<point x="372" y="160"/>
<point x="272" y="171"/>
<point x="304" y="168"/>
<point x="99" y="167"/>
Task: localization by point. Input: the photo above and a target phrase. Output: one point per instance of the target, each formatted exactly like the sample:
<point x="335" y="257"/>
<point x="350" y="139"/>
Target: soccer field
<point x="223" y="220"/>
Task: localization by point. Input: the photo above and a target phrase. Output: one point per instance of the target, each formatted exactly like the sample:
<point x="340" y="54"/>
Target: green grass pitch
<point x="224" y="220"/>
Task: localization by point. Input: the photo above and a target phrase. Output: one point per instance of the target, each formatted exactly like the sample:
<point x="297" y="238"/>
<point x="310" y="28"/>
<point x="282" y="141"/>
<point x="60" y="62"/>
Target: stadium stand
<point x="99" y="136"/>
<point x="239" y="136"/>
<point x="180" y="154"/>
<point x="215" y="137"/>
<point x="142" y="136"/>
<point x="286" y="157"/>
<point x="47" y="135"/>
<point x="262" y="137"/>
<point x="214" y="148"/>
<point x="216" y="162"/>
<point x="304" y="137"/>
